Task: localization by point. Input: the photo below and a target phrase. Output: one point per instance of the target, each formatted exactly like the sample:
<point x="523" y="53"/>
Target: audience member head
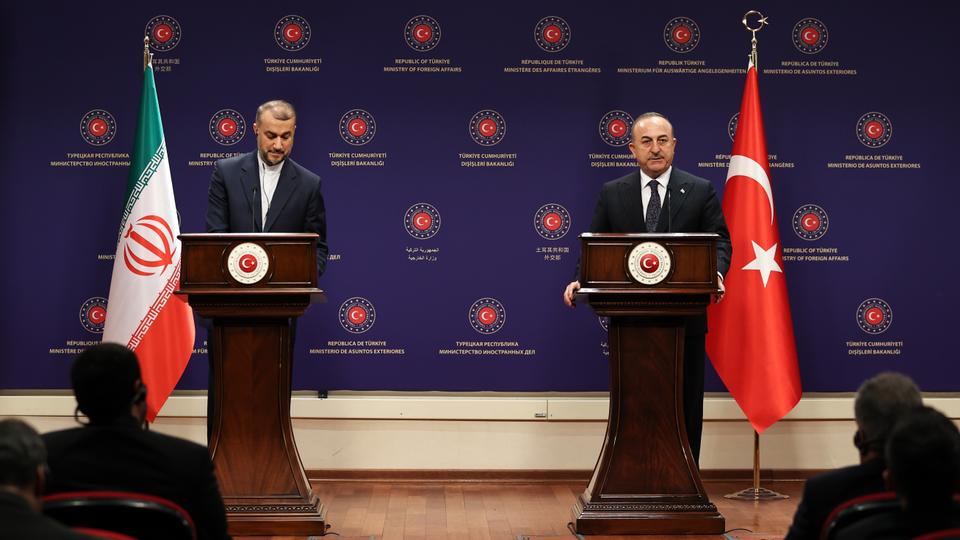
<point x="107" y="385"/>
<point x="923" y="459"/>
<point x="23" y="460"/>
<point x="880" y="401"/>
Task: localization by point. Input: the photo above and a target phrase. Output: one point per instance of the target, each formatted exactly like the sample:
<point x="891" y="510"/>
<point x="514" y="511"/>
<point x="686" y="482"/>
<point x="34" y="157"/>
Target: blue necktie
<point x="653" y="207"/>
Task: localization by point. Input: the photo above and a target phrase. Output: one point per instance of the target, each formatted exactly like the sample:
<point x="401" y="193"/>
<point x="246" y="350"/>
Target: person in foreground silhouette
<point x="923" y="468"/>
<point x="114" y="451"/>
<point x="22" y="475"/>
<point x="879" y="403"/>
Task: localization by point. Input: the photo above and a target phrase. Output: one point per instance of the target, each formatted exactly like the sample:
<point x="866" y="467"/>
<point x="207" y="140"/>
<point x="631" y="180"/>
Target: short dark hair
<point x="923" y="457"/>
<point x="880" y="402"/>
<point x="280" y="109"/>
<point x="21" y="452"/>
<point x="104" y="381"/>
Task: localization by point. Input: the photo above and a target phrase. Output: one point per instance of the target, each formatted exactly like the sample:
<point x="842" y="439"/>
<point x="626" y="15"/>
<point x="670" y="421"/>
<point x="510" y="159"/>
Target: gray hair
<point x="21" y="452"/>
<point x="644" y="116"/>
<point x="280" y="109"/>
<point x="880" y="402"/>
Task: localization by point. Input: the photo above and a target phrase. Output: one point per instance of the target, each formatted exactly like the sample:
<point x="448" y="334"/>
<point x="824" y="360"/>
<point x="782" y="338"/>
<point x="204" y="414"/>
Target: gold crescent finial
<point x="760" y="22"/>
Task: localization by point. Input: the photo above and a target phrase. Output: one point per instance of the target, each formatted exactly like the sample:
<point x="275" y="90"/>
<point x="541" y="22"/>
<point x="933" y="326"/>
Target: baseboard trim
<point x="766" y="475"/>
<point x="527" y="476"/>
<point x="448" y="475"/>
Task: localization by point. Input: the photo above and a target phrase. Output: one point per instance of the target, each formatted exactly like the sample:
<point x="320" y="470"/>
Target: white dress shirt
<point x="269" y="177"/>
<point x="662" y="180"/>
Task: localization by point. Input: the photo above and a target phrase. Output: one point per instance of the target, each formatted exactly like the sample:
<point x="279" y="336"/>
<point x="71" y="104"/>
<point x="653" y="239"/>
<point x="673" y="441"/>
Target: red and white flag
<point x="142" y="311"/>
<point x="751" y="341"/>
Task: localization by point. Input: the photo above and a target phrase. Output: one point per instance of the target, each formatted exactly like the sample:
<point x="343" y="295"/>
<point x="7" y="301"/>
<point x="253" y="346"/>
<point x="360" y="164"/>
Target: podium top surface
<point x="651" y="236"/>
<point x="249" y="264"/>
<point x="248" y="236"/>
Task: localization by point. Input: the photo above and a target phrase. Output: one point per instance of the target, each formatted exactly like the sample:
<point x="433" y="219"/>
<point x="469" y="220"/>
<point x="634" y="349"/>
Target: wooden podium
<point x="252" y="286"/>
<point x="646" y="480"/>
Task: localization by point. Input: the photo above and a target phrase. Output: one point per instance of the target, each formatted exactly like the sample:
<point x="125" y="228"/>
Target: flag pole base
<point x="756" y="494"/>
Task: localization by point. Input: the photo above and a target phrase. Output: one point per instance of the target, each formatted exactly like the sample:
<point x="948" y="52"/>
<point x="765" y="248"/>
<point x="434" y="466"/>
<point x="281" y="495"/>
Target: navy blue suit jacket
<point x="297" y="205"/>
<point x="693" y="207"/>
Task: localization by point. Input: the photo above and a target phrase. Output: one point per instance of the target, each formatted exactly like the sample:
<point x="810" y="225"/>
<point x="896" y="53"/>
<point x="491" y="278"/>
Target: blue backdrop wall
<point x="461" y="151"/>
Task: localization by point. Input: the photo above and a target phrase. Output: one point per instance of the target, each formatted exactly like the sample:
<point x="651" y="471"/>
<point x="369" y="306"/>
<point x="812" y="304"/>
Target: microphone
<point x="253" y="210"/>
<point x="669" y="209"/>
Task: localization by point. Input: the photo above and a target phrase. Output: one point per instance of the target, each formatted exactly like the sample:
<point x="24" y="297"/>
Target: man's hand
<point x="571" y="289"/>
<point x="717" y="298"/>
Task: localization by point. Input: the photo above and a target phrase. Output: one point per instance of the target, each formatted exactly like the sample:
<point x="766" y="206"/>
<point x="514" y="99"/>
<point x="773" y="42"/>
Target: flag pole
<point x="147" y="55"/>
<point x="756" y="493"/>
<point x="145" y="314"/>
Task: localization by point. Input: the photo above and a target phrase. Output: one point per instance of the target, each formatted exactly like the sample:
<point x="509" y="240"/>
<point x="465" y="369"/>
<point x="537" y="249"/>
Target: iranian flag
<point x="751" y="341"/>
<point x="142" y="311"/>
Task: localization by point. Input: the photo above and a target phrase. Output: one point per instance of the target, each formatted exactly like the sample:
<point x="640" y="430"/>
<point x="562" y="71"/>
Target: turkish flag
<point x="751" y="341"/>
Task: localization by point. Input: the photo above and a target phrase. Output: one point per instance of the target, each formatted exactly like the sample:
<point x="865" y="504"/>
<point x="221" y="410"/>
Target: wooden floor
<point x="484" y="510"/>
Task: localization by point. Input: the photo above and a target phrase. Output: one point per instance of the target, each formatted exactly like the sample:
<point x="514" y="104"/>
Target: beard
<point x="266" y="158"/>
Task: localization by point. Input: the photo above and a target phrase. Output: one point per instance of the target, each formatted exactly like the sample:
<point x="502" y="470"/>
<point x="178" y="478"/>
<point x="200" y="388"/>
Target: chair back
<point x="102" y="534"/>
<point x="940" y="535"/>
<point x="857" y="508"/>
<point x="142" y="516"/>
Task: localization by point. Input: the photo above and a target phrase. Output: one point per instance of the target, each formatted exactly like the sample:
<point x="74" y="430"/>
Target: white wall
<point x="498" y="431"/>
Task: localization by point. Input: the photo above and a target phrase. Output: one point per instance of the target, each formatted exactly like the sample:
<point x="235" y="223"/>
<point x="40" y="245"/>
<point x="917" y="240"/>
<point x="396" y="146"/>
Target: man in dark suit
<point x="880" y="402"/>
<point x="923" y="467"/>
<point x="114" y="451"/>
<point x="22" y="473"/>
<point x="661" y="198"/>
<point x="265" y="190"/>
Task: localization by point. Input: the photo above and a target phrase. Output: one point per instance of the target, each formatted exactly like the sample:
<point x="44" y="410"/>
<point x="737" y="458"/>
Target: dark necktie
<point x="653" y="207"/>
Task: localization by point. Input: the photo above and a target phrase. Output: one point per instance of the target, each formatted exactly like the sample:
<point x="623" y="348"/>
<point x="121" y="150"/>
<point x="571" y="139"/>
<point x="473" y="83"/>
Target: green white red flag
<point x="142" y="311"/>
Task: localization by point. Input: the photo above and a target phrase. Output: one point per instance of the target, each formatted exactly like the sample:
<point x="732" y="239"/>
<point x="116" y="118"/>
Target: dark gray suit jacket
<point x="234" y="201"/>
<point x="120" y="456"/>
<point x="19" y="521"/>
<point x="826" y="491"/>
